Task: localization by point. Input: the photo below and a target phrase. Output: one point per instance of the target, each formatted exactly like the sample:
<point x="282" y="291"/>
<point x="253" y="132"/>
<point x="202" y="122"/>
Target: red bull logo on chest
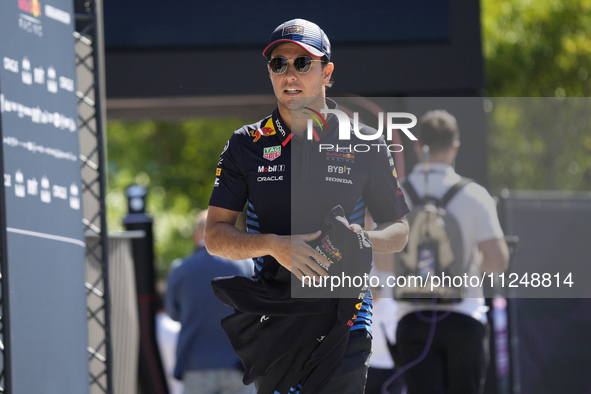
<point x="264" y="131"/>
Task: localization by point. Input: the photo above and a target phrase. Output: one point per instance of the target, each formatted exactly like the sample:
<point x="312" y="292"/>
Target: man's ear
<point x="455" y="146"/>
<point x="328" y="69"/>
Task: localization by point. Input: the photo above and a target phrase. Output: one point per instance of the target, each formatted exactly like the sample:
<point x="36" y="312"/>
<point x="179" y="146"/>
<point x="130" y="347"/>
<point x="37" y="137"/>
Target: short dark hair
<point x="438" y="129"/>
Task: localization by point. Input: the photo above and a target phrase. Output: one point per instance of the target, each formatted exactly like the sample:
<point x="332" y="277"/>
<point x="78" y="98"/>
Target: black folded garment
<point x="284" y="341"/>
<point x="350" y="254"/>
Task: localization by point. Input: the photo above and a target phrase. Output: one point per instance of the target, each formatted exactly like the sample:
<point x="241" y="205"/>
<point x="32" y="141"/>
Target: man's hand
<point x="357" y="228"/>
<point x="296" y="255"/>
<point x="222" y="238"/>
<point x="388" y="237"/>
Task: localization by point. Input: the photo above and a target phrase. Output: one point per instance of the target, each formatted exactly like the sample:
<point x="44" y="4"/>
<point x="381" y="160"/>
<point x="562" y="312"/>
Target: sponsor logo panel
<point x="395" y="174"/>
<point x="335" y="252"/>
<point x="338" y="180"/>
<point x="275" y="168"/>
<point x="264" y="131"/>
<point x="272" y="152"/>
<point x="270" y="178"/>
<point x="36" y="74"/>
<point x="339" y="169"/>
<point x="57" y="14"/>
<point x="279" y="127"/>
<point x="222" y="154"/>
<point x="293" y="29"/>
<point x="28" y="19"/>
<point x="338" y="154"/>
<point x="32" y="7"/>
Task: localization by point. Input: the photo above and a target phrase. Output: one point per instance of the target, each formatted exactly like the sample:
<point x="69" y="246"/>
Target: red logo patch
<point x="264" y="131"/>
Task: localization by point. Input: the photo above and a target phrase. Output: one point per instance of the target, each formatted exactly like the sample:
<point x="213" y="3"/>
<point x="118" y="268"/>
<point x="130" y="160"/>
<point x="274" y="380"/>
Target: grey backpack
<point x="434" y="252"/>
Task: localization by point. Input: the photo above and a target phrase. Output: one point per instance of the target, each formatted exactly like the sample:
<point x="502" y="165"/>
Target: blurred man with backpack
<point x="443" y="334"/>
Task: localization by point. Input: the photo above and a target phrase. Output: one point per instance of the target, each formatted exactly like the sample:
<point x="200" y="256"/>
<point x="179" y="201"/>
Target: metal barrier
<point x="91" y="127"/>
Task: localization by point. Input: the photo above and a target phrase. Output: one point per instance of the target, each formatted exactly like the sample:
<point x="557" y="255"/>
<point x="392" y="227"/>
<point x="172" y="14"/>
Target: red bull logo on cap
<point x="293" y="29"/>
<point x="264" y="131"/>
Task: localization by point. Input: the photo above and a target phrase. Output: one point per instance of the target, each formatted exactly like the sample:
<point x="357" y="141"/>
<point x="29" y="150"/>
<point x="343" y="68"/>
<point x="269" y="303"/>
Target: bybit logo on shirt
<point x="339" y="169"/>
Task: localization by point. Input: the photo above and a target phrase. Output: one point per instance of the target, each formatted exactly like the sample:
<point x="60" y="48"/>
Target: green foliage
<point x="540" y="143"/>
<point x="538" y="49"/>
<point x="176" y="161"/>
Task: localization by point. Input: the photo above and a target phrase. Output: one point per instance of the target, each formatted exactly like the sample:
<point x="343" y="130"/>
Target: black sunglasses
<point x="302" y="64"/>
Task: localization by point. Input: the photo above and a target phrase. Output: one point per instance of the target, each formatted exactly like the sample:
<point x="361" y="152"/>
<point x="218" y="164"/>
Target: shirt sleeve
<point x="383" y="195"/>
<point x="486" y="225"/>
<point x="229" y="190"/>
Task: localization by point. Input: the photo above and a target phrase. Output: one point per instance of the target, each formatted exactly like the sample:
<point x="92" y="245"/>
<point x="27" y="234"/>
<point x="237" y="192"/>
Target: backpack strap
<point x="453" y="190"/>
<point x="410" y="190"/>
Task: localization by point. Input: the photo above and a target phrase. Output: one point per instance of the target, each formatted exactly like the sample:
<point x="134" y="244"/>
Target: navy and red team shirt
<point x="289" y="183"/>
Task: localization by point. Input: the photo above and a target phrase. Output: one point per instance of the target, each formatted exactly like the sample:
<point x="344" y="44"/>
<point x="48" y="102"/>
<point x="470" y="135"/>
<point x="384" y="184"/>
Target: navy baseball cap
<point x="302" y="32"/>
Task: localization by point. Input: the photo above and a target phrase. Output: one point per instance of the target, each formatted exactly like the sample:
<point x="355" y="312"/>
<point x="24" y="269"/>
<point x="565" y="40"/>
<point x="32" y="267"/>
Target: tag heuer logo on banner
<point x="272" y="152"/>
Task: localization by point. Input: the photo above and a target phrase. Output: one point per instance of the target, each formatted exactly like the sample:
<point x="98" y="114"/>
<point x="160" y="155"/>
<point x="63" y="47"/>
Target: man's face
<point x="292" y="84"/>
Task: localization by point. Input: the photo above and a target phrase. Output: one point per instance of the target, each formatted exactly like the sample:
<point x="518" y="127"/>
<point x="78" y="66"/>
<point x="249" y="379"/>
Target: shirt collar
<point x="282" y="131"/>
<point x="328" y="125"/>
<point x="443" y="168"/>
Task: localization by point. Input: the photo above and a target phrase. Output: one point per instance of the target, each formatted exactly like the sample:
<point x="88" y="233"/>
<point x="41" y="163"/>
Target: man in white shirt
<point x="457" y="356"/>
